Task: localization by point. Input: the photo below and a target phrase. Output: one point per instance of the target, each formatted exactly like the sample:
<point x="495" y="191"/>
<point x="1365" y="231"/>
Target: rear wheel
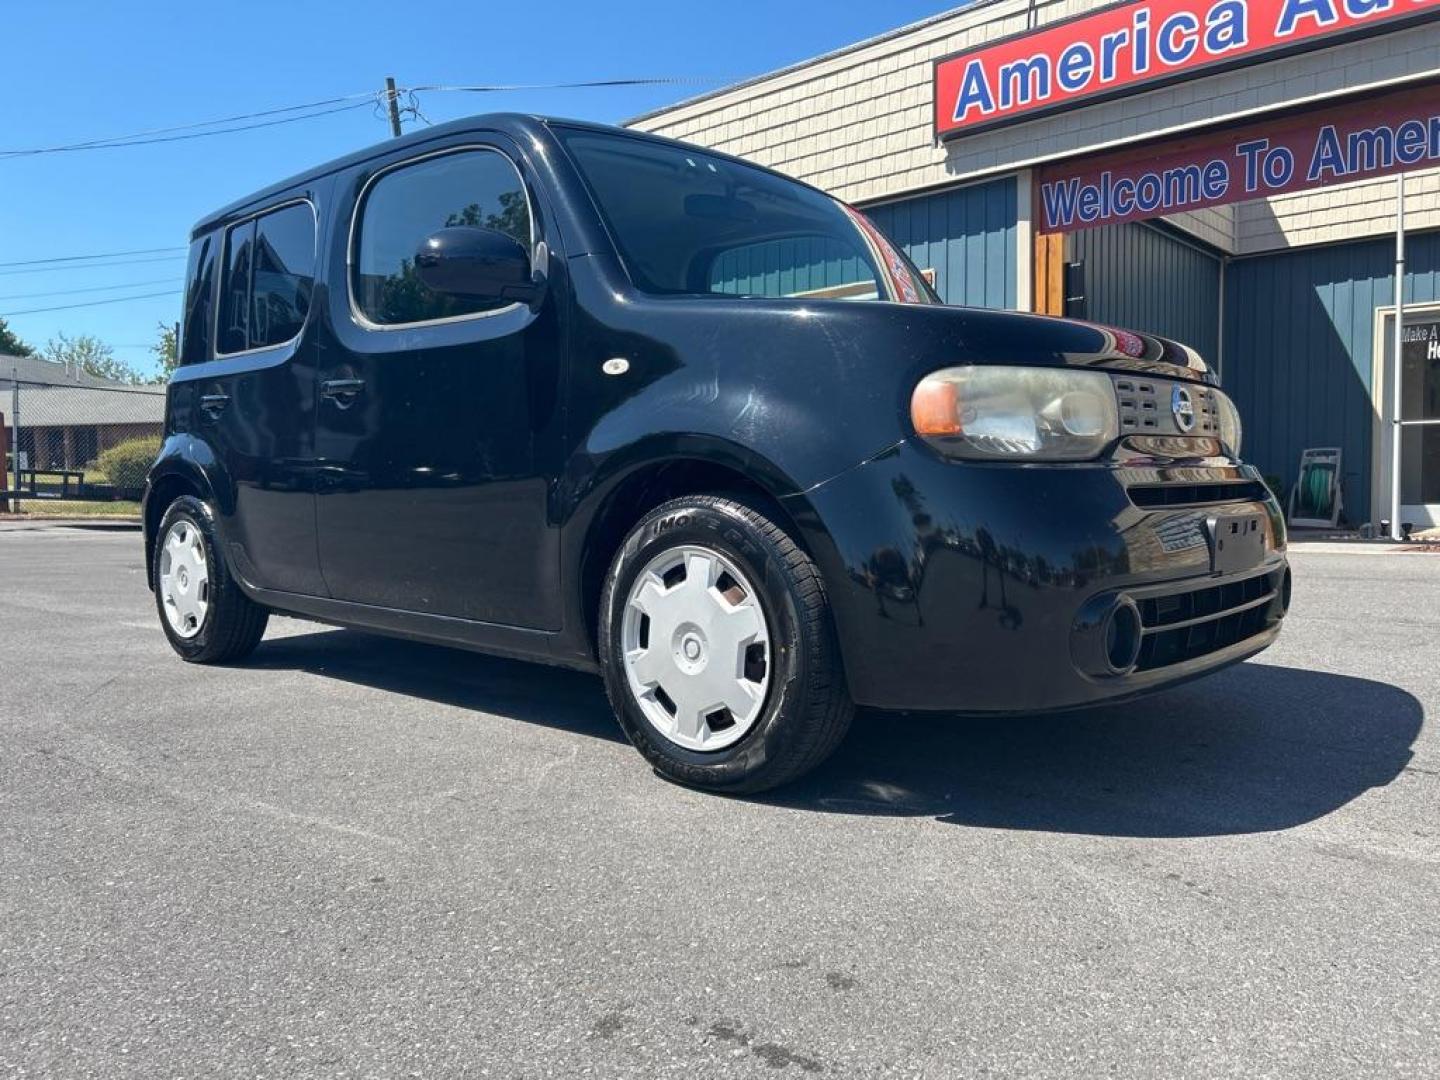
<point x="718" y="649"/>
<point x="205" y="616"/>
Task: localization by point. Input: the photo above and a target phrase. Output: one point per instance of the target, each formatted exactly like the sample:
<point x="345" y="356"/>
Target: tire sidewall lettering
<point x="713" y="527"/>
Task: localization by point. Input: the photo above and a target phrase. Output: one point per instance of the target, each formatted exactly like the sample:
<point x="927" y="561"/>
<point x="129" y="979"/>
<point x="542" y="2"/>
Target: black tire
<point x="808" y="708"/>
<point x="233" y="624"/>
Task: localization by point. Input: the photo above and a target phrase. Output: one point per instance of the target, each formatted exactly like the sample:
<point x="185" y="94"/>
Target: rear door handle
<point x="342" y="391"/>
<point x="212" y="405"/>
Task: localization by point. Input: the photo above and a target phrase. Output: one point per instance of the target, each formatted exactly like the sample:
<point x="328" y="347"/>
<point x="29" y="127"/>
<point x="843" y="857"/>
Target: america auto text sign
<point x="1138" y="45"/>
<point x="1318" y="147"/>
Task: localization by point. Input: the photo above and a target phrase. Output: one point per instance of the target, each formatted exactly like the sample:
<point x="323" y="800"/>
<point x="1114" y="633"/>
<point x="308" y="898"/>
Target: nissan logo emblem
<point x="1183" y="408"/>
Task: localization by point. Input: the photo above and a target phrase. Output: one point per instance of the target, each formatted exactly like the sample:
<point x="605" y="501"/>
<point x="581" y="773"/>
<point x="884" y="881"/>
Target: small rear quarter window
<point x="198" y="322"/>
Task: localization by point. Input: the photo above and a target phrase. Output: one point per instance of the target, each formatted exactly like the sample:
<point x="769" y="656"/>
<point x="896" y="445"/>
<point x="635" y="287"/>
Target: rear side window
<point x="269" y="279"/>
<point x="198" y="319"/>
<point x="404" y="206"/>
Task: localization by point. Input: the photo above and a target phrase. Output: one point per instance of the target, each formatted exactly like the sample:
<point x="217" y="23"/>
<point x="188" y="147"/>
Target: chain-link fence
<point x="69" y="435"/>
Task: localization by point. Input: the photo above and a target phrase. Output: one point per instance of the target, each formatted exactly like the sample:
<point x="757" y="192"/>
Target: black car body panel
<point x="447" y="481"/>
<point x="962" y="587"/>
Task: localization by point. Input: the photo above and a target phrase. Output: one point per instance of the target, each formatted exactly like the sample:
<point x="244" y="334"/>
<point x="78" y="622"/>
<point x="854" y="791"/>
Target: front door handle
<point x="212" y="405"/>
<point x="342" y="391"/>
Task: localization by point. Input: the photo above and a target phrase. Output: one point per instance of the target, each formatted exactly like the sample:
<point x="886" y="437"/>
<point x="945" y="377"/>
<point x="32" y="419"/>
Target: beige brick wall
<point x="1215" y="225"/>
<point x="859" y="123"/>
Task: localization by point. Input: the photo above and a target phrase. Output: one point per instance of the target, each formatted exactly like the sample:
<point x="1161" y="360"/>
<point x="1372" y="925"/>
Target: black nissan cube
<point x="582" y="396"/>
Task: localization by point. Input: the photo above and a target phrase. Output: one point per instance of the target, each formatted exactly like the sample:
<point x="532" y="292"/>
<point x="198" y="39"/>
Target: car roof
<point x="517" y="125"/>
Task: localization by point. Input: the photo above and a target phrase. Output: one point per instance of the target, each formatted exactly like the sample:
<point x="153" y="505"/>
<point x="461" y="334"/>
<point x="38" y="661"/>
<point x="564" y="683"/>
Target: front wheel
<point x="205" y="616"/>
<point x="718" y="649"/>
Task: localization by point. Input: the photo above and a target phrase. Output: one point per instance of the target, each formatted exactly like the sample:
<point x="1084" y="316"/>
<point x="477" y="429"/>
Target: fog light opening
<point x="1285" y="594"/>
<point x="1122" y="636"/>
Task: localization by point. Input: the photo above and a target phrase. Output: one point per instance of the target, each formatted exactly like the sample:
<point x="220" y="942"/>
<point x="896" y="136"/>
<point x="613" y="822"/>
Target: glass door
<point x="1419" y="416"/>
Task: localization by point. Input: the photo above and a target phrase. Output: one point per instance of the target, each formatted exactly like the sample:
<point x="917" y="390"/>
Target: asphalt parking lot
<point x="360" y="857"/>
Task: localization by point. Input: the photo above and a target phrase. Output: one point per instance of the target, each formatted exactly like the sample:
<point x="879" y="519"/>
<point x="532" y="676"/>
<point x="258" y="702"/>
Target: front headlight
<point x="1231" y="433"/>
<point x="1016" y="413"/>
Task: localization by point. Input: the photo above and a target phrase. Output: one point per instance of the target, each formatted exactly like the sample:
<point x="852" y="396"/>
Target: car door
<point x="252" y="402"/>
<point x="438" y="415"/>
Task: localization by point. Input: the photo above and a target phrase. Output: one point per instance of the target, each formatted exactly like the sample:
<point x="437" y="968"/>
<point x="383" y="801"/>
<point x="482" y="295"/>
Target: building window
<point x="474" y="187"/>
<point x="86" y="446"/>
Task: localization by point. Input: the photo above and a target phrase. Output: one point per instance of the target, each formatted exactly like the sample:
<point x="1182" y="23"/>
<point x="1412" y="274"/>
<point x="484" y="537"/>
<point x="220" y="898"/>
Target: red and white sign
<point x="1138" y="45"/>
<point x="1319" y="147"/>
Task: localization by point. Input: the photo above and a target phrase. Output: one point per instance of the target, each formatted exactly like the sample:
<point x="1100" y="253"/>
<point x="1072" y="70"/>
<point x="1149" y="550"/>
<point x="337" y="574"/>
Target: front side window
<point x="269" y="279"/>
<point x="688" y="222"/>
<point x="479" y="188"/>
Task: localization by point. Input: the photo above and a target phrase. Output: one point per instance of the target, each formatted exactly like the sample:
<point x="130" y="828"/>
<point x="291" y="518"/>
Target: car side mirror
<point x="476" y="263"/>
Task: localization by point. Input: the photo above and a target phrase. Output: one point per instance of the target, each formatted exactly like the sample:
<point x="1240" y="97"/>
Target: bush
<point x="125" y="464"/>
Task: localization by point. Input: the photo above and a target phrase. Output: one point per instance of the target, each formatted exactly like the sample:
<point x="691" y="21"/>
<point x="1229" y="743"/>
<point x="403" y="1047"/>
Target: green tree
<point x="11" y="345"/>
<point x="166" y="350"/>
<point x="89" y="354"/>
<point x="513" y="219"/>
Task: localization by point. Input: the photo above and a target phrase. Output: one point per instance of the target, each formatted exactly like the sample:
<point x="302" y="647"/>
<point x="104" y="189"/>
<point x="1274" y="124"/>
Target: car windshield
<point x="688" y="222"/>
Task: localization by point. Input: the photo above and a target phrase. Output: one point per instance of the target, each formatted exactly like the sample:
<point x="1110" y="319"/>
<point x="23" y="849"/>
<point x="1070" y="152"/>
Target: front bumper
<point x="980" y="588"/>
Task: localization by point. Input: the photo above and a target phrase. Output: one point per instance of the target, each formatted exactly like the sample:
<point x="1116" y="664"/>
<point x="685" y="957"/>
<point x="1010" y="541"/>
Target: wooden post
<point x="4" y="449"/>
<point x="392" y="99"/>
<point x="1049" y="273"/>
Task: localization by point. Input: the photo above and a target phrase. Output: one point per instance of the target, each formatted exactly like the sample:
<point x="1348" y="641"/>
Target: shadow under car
<point x="1254" y="748"/>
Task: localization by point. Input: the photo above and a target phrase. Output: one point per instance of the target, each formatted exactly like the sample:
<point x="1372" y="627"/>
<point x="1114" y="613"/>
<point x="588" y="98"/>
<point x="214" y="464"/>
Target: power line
<point x="91" y="266"/>
<point x="337" y="105"/>
<point x="93" y="289"/>
<point x="100" y="255"/>
<point x="101" y="144"/>
<point x="92" y="303"/>
<point x="498" y="88"/>
<point x="96" y="143"/>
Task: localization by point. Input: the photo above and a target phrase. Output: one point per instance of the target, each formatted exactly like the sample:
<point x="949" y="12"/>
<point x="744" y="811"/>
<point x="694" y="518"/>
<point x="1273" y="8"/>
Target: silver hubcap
<point x="697" y="648"/>
<point x="184" y="579"/>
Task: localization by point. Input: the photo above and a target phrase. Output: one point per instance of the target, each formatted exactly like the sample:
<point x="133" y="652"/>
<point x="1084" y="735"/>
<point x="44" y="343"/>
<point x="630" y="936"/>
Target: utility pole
<point x="1397" y="530"/>
<point x="15" y="432"/>
<point x="392" y="97"/>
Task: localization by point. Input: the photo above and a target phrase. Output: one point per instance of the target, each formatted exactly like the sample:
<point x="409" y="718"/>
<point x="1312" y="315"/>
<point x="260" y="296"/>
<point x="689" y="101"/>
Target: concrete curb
<point x="1359" y="547"/>
<point x="14" y="524"/>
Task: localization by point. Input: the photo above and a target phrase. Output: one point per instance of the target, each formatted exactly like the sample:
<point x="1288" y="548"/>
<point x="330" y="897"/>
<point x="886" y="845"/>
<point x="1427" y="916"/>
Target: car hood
<point x="961" y="335"/>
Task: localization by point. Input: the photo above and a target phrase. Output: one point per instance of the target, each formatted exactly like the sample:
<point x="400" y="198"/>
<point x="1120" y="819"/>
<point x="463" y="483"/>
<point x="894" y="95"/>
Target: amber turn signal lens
<point x="935" y="408"/>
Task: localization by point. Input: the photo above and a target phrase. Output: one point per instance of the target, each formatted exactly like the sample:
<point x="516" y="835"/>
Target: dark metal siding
<point x="967" y="236"/>
<point x="1299" y="346"/>
<point x="784" y="267"/>
<point x="1139" y="278"/>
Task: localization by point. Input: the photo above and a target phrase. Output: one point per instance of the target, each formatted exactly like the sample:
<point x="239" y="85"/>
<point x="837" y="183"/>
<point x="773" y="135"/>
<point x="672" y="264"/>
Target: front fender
<point x="593" y="476"/>
<point x="595" y="489"/>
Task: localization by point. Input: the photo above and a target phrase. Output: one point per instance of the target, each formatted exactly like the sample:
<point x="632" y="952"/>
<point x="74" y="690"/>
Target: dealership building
<point x="1224" y="172"/>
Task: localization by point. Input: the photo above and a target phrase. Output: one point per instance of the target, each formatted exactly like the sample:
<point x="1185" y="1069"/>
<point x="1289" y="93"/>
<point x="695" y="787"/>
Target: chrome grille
<point x="1145" y="407"/>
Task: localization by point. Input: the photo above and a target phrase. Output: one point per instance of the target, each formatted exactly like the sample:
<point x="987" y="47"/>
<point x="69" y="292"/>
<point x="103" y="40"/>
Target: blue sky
<point x="81" y="71"/>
